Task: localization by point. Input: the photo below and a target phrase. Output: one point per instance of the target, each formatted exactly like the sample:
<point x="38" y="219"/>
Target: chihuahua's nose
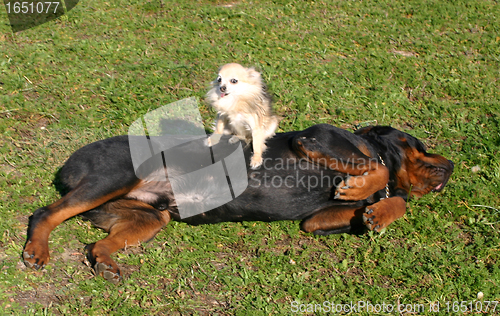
<point x="223" y="88"/>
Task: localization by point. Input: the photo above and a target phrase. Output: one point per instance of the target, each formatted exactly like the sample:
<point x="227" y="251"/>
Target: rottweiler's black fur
<point x="333" y="180"/>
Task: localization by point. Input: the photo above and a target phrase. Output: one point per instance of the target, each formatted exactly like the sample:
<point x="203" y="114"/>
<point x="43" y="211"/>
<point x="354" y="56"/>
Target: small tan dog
<point x="243" y="108"/>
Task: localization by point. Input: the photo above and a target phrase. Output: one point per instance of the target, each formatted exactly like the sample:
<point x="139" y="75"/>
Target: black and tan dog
<point x="333" y="180"/>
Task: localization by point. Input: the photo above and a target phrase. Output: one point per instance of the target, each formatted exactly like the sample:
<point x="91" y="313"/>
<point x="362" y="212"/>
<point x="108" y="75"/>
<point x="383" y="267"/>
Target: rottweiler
<point x="332" y="180"/>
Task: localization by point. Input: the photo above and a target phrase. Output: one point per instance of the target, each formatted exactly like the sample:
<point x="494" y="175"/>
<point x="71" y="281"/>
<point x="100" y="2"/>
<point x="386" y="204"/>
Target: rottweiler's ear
<point x="403" y="143"/>
<point x="411" y="153"/>
<point x="363" y="130"/>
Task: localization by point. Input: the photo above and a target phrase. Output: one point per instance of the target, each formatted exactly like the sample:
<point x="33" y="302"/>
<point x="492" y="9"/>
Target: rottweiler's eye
<point x="234" y="81"/>
<point x="219" y="79"/>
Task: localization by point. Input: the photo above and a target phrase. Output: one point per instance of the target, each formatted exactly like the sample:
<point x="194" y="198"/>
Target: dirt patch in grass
<point x="44" y="295"/>
<point x="10" y="170"/>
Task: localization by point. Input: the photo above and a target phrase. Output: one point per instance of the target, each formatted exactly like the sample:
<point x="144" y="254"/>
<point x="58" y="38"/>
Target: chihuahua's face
<point x="235" y="80"/>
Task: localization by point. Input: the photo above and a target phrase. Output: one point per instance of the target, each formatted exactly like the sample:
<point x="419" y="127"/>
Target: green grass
<point x="430" y="68"/>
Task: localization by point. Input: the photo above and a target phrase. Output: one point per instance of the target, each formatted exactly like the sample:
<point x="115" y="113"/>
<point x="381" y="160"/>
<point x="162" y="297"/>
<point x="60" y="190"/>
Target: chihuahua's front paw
<point x="255" y="162"/>
<point x="212" y="140"/>
<point x="234" y="139"/>
<point x="207" y="142"/>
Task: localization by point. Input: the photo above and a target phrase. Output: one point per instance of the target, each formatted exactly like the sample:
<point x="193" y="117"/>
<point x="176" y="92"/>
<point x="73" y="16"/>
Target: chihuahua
<point x="243" y="107"/>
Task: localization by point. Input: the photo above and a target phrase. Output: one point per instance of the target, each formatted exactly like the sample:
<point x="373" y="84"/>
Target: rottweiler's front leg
<point x="340" y="219"/>
<point x="334" y="220"/>
<point x="365" y="175"/>
<point x="379" y="215"/>
<point x="356" y="188"/>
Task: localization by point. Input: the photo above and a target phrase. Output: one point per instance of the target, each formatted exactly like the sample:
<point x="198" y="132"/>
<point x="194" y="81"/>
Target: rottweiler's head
<point x="417" y="172"/>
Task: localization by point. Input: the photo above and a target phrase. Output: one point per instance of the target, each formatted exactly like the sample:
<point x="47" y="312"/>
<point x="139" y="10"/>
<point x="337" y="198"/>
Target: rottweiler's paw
<point x="371" y="221"/>
<point x="352" y="188"/>
<point x="103" y="264"/>
<point x="379" y="215"/>
<point x="108" y="271"/>
<point x="35" y="256"/>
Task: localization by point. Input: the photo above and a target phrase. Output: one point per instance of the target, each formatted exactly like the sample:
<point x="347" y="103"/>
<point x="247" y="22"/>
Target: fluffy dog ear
<point x="252" y="73"/>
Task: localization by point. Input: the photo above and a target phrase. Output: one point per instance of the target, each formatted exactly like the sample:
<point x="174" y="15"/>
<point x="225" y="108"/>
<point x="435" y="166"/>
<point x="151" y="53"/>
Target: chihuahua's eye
<point x="234" y="81"/>
<point x="219" y="79"/>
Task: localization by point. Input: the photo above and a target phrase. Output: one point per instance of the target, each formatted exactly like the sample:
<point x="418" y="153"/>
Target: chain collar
<point x="387" y="192"/>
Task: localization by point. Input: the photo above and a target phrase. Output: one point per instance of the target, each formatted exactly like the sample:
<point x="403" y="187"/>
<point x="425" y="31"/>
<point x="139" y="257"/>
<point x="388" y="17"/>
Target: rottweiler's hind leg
<point x="334" y="220"/>
<point x="129" y="222"/>
<point x="85" y="196"/>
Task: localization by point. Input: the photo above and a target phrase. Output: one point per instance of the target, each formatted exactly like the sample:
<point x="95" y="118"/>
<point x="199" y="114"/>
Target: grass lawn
<point x="430" y="68"/>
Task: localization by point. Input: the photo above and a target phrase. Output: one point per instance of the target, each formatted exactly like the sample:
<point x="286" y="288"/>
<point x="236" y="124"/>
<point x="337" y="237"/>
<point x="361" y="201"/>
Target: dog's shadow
<point x="58" y="185"/>
<point x="181" y="127"/>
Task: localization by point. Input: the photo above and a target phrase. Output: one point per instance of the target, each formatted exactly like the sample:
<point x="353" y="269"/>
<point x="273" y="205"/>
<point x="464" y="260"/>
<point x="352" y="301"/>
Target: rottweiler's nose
<point x="223" y="88"/>
<point x="452" y="164"/>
